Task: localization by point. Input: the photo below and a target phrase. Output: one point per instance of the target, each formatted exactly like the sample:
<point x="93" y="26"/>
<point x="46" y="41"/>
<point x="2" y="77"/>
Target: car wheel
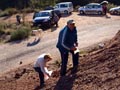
<point x="111" y="13"/>
<point x="99" y="13"/>
<point x="49" y="24"/>
<point x="116" y="12"/>
<point x="66" y="12"/>
<point x="81" y="12"/>
<point x="119" y="13"/>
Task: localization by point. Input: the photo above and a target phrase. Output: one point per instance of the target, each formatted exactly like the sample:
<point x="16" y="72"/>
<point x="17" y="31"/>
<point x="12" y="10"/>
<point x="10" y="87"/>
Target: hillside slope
<point x="99" y="70"/>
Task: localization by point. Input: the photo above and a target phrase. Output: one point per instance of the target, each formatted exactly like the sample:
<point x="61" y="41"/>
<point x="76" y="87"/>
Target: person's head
<point x="71" y="24"/>
<point x="47" y="57"/>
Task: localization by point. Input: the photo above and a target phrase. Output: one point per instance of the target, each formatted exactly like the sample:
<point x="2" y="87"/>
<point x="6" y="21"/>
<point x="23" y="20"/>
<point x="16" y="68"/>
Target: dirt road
<point x="91" y="30"/>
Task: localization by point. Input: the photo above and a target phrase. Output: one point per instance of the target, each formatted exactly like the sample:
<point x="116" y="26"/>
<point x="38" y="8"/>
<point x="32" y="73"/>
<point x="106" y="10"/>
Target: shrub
<point x="2" y="14"/>
<point x="57" y="63"/>
<point x="27" y="10"/>
<point x="1" y="32"/>
<point x="2" y="29"/>
<point x="11" y="11"/>
<point x="20" y="34"/>
<point x="76" y="8"/>
<point x="8" y="11"/>
<point x="110" y="5"/>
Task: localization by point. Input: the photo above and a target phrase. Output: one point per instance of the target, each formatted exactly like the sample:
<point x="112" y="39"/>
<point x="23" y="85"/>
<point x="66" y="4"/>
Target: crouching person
<point x="40" y="67"/>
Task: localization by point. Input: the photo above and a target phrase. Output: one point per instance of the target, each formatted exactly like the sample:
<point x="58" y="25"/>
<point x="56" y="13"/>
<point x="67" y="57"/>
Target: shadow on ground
<point x="35" y="42"/>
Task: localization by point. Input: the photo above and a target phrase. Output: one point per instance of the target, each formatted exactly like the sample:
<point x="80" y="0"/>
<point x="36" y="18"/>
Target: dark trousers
<point x="64" y="57"/>
<point x="41" y="75"/>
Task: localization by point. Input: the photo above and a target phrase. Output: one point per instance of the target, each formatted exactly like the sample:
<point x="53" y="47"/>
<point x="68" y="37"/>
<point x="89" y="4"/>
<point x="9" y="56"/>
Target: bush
<point x="1" y="32"/>
<point x="20" y="34"/>
<point x="110" y="5"/>
<point x="27" y="10"/>
<point x="2" y="14"/>
<point x="76" y="8"/>
<point x="8" y="11"/>
<point x="2" y="29"/>
<point x="11" y="11"/>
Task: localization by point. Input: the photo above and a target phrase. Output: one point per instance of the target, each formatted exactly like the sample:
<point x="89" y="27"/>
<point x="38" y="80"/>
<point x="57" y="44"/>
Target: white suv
<point x="64" y="7"/>
<point x="92" y="8"/>
<point x="115" y="10"/>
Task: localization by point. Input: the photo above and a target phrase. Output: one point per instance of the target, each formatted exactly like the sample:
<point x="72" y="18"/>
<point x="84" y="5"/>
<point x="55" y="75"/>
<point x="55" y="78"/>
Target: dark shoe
<point x="42" y="85"/>
<point x="62" y="75"/>
<point x="74" y="70"/>
<point x="37" y="88"/>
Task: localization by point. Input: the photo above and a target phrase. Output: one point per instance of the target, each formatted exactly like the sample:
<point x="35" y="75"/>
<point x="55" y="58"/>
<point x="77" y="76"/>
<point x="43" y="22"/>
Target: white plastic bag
<point x="46" y="76"/>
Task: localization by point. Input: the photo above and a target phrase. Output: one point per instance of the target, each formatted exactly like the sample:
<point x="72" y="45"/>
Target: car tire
<point x="111" y="13"/>
<point x="81" y="12"/>
<point x="100" y="13"/>
<point x="49" y="24"/>
<point x="116" y="12"/>
<point x="66" y="12"/>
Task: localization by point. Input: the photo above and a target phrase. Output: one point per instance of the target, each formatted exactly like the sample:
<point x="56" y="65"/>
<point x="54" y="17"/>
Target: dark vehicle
<point x="45" y="18"/>
<point x="56" y="11"/>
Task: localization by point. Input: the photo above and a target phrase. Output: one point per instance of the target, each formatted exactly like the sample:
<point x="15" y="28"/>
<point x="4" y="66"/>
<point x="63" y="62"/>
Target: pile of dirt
<point x="99" y="70"/>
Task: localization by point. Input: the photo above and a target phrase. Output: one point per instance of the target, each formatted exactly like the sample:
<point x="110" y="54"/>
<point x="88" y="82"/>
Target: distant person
<point x="18" y="19"/>
<point x="41" y="68"/>
<point x="35" y="14"/>
<point x="55" y="18"/>
<point x="67" y="42"/>
<point x="104" y="7"/>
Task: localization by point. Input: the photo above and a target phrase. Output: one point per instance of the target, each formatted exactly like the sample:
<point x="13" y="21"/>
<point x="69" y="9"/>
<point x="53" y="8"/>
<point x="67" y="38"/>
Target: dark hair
<point x="47" y="56"/>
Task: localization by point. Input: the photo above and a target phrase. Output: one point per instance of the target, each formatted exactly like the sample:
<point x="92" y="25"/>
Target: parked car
<point x="64" y="7"/>
<point x="45" y="18"/>
<point x="56" y="11"/>
<point x="92" y="8"/>
<point x="115" y="10"/>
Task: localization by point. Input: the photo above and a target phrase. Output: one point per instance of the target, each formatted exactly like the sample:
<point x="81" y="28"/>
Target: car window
<point x="93" y="6"/>
<point x="97" y="6"/>
<point x="89" y="6"/>
<point x="57" y="6"/>
<point x="63" y="5"/>
<point x="43" y="14"/>
<point x="70" y="5"/>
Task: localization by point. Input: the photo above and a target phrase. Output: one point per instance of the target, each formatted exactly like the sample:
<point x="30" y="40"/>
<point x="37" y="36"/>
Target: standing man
<point x="40" y="67"/>
<point x="104" y="6"/>
<point x="18" y="19"/>
<point x="67" y="42"/>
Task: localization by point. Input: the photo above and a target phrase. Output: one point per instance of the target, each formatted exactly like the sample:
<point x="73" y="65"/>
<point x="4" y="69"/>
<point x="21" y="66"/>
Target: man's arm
<point x="43" y="66"/>
<point x="76" y="39"/>
<point x="64" y="39"/>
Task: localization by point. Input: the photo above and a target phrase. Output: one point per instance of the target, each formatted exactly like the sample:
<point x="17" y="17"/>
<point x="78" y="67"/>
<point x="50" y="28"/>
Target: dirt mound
<point x="99" y="70"/>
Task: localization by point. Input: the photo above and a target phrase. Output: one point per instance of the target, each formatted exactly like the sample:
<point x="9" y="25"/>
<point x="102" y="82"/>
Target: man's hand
<point x="48" y="74"/>
<point x="73" y="48"/>
<point x="55" y="73"/>
<point x="76" y="44"/>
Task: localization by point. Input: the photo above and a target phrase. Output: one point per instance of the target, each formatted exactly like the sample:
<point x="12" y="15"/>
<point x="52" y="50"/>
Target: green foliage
<point x="57" y="63"/>
<point x="7" y="28"/>
<point x="76" y="8"/>
<point x="2" y="27"/>
<point x="37" y="4"/>
<point x="20" y="33"/>
<point x="110" y="5"/>
<point x="27" y="10"/>
<point x="8" y="11"/>
<point x="11" y="11"/>
<point x="1" y="32"/>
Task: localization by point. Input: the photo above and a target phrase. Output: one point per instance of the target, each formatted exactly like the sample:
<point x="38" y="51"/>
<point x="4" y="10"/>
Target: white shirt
<point x="40" y="62"/>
